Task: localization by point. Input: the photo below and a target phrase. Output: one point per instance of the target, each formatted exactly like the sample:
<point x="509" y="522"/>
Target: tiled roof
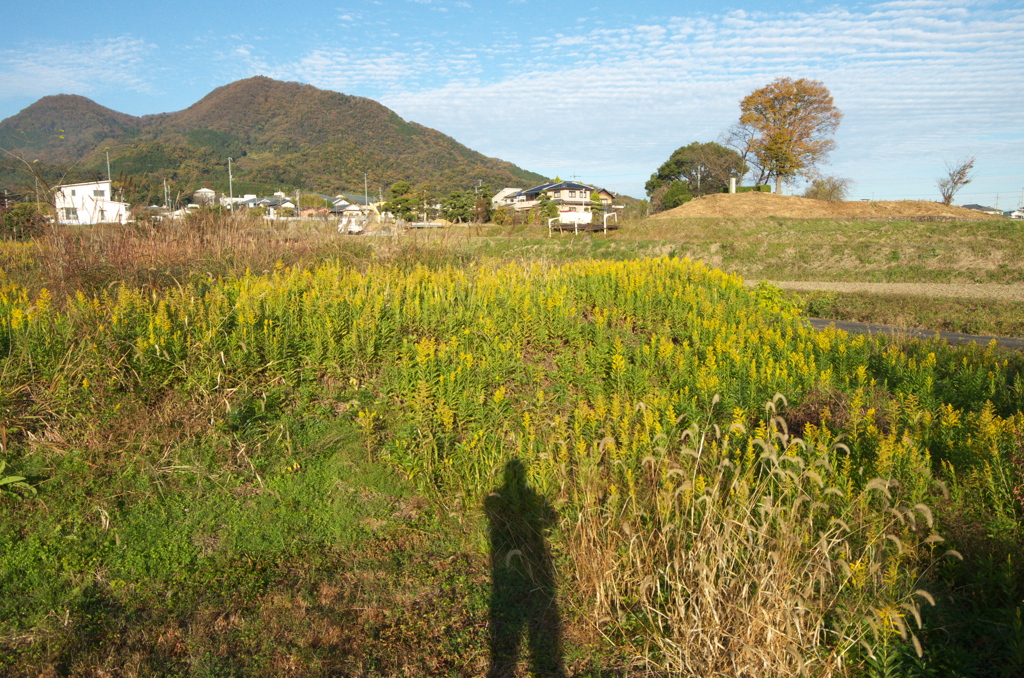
<point x="555" y="186"/>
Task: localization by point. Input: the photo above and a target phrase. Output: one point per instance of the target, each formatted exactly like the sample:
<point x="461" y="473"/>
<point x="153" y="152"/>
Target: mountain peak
<point x="279" y="134"/>
<point x="60" y="128"/>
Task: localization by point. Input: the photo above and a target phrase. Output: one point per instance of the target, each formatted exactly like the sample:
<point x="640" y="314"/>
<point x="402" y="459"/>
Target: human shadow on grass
<point x="523" y="593"/>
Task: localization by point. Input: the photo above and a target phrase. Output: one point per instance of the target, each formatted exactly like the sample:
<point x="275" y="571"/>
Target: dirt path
<point x="951" y="291"/>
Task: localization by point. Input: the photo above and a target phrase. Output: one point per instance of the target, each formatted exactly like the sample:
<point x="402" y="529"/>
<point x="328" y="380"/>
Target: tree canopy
<point x="404" y="201"/>
<point x="786" y="128"/>
<point x="703" y="167"/>
<point x="459" y="206"/>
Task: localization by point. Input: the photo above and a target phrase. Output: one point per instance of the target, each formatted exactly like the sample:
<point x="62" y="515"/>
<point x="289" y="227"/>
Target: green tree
<point x="667" y="196"/>
<point x="704" y="167"/>
<point x="404" y="201"/>
<point x="678" y="193"/>
<point x="547" y="208"/>
<point x="24" y="220"/>
<point x="786" y="129"/>
<point x="459" y="206"/>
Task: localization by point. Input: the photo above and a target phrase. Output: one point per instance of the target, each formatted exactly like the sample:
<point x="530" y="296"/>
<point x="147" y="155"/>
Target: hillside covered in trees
<point x="280" y="135"/>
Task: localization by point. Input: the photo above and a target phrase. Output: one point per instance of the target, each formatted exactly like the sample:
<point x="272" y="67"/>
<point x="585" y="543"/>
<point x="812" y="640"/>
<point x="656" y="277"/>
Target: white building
<point x="204" y="196"/>
<point x="89" y="203"/>
<point x="572" y="198"/>
<point x="505" y="197"/>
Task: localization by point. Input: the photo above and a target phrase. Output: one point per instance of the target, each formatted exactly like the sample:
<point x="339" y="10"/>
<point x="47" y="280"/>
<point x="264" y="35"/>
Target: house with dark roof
<point x="983" y="208"/>
<point x="571" y="197"/>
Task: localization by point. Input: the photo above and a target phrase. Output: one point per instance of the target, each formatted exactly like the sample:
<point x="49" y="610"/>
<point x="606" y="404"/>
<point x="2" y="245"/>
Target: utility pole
<point x="231" y="188"/>
<point x="107" y="151"/>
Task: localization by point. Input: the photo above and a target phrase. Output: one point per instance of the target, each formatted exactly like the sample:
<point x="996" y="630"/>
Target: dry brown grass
<point x="725" y="563"/>
<point x="741" y="205"/>
<point x="154" y="255"/>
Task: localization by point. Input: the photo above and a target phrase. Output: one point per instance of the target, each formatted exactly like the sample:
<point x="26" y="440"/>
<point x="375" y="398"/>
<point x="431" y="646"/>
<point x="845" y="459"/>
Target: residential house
<point x="984" y="209"/>
<point x="89" y="203"/>
<point x="505" y="197"/>
<point x="275" y="205"/>
<point x="572" y="199"/>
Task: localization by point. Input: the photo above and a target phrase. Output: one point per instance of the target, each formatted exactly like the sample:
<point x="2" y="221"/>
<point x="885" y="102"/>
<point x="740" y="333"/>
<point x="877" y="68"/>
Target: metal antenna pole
<point x="231" y="188"/>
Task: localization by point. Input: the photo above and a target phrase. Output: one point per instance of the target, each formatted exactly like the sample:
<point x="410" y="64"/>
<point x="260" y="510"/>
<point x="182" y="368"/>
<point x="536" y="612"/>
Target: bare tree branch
<point x="958" y="175"/>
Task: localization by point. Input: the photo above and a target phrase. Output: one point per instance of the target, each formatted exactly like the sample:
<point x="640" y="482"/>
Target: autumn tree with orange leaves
<point x="786" y="129"/>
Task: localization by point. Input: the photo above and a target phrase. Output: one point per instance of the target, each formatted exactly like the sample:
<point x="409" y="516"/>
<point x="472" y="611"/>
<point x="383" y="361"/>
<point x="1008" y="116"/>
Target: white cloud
<point x="914" y="79"/>
<point x="81" y="68"/>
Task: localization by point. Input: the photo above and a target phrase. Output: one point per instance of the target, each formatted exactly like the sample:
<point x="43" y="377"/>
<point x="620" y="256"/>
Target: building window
<point x="71" y="213"/>
<point x="99" y="194"/>
<point x="72" y="192"/>
<point x="558" y="194"/>
<point x="572" y="194"/>
<point x="103" y="215"/>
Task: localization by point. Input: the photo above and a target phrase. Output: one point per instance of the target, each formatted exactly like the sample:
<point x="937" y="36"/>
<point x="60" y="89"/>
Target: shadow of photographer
<point x="523" y="594"/>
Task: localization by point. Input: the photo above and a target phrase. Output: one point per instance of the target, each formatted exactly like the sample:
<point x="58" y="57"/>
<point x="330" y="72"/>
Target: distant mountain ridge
<point x="280" y="135"/>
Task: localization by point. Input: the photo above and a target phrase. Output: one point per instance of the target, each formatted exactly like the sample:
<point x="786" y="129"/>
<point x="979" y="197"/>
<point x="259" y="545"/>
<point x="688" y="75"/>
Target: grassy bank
<point x="797" y="249"/>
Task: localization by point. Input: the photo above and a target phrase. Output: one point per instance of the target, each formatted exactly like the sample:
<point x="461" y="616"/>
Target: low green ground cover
<point x="307" y="470"/>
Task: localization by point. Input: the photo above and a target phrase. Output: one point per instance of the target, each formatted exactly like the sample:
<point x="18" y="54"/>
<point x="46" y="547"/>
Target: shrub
<point x="24" y="220"/>
<point x="829" y="189"/>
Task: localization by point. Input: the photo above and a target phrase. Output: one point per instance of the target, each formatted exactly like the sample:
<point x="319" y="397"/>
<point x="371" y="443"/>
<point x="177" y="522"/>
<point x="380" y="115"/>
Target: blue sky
<point x="603" y="91"/>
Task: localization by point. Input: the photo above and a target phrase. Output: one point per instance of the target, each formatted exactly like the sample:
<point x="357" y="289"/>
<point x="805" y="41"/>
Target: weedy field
<point x="233" y="451"/>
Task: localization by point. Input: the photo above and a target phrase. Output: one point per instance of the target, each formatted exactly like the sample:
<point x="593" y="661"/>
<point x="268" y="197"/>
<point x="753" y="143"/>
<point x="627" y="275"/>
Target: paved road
<point x="954" y="338"/>
<point x="946" y="290"/>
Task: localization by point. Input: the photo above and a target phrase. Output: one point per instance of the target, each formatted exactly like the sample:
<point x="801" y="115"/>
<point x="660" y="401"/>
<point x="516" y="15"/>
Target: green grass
<point x="794" y="249"/>
<point x="300" y="552"/>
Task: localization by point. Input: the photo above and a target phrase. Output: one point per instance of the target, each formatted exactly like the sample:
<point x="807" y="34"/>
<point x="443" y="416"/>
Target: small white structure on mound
<point x="88" y="203"/>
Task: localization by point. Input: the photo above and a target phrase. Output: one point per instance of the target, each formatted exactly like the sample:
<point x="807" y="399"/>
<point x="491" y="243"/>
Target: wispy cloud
<point x="916" y="79"/>
<point x="77" y="67"/>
